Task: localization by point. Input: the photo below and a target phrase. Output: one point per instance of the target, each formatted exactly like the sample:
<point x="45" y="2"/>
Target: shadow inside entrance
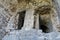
<point x="21" y="19"/>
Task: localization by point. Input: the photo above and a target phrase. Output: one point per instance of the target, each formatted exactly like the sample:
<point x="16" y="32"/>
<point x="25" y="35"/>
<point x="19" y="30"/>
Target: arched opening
<point x="21" y="19"/>
<point x="44" y="25"/>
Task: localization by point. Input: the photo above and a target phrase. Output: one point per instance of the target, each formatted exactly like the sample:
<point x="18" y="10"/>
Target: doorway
<point x="21" y="19"/>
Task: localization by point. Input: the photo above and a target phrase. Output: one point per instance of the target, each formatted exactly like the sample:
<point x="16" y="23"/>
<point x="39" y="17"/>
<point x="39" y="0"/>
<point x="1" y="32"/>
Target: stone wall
<point x="47" y="9"/>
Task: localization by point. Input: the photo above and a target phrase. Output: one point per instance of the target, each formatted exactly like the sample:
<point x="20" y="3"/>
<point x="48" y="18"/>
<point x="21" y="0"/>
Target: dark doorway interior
<point x="21" y="19"/>
<point x="42" y="26"/>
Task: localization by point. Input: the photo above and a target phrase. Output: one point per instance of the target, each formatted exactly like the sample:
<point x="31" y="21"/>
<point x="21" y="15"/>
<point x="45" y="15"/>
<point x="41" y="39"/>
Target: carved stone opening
<point x="45" y="26"/>
<point x="21" y="19"/>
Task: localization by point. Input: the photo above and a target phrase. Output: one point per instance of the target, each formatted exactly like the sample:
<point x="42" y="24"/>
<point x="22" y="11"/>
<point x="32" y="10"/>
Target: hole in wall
<point x="21" y="19"/>
<point x="43" y="26"/>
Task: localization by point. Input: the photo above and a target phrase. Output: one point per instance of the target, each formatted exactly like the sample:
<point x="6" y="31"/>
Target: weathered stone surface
<point x="57" y="7"/>
<point x="13" y="6"/>
<point x="36" y="22"/>
<point x="2" y="33"/>
<point x="32" y="35"/>
<point x="3" y="18"/>
<point x="29" y="20"/>
<point x="8" y="19"/>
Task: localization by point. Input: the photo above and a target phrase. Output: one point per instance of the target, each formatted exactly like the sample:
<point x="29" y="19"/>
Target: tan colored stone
<point x="14" y="5"/>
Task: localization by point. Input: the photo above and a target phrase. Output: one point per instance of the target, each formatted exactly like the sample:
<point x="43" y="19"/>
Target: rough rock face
<point x="32" y="35"/>
<point x="5" y="17"/>
<point x="17" y="4"/>
<point x="46" y="9"/>
<point x="12" y="7"/>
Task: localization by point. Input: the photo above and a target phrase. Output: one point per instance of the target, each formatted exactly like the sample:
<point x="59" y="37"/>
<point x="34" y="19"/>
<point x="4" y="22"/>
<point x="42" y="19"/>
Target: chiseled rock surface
<point x="14" y="5"/>
<point x="4" y="21"/>
<point x="32" y="35"/>
<point x="2" y="33"/>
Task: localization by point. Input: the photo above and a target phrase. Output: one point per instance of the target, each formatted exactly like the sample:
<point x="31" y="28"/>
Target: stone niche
<point x="45" y="23"/>
<point x="21" y="19"/>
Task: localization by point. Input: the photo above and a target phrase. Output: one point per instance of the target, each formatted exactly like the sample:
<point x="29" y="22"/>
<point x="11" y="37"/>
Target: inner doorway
<point x="21" y="19"/>
<point x="44" y="25"/>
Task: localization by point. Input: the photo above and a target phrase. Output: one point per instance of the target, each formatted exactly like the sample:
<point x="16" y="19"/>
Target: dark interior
<point x="42" y="26"/>
<point x="21" y="19"/>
